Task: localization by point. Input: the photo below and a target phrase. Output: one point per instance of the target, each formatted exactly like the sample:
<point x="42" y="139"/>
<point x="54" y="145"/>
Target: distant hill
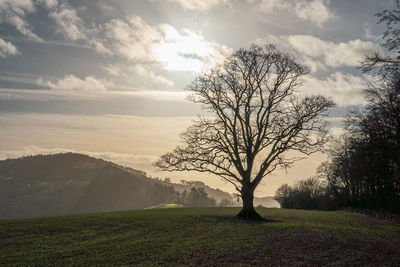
<point x="70" y="183"/>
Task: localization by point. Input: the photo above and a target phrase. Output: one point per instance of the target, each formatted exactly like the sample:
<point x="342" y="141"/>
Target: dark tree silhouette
<point x="363" y="170"/>
<point x="257" y="118"/>
<point x="310" y="193"/>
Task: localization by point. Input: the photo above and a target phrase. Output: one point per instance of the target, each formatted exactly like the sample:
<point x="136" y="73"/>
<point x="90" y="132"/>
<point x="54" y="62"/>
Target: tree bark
<point x="248" y="212"/>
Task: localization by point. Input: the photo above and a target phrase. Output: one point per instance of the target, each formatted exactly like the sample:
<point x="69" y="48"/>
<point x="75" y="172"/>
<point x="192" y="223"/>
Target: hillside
<point x="205" y="236"/>
<point x="72" y="183"/>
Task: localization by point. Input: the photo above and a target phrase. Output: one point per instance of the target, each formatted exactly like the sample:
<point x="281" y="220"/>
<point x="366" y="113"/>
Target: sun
<point x="188" y="51"/>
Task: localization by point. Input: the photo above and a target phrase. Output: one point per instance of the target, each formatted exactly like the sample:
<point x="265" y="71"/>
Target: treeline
<point x="198" y="197"/>
<point x="363" y="170"/>
<point x="311" y="193"/>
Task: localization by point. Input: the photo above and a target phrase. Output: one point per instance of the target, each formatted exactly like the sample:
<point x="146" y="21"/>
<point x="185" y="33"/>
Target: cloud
<point x="368" y="33"/>
<point x="48" y="3"/>
<point x="73" y="28"/>
<point x="316" y="11"/>
<point x="113" y="97"/>
<point x="71" y="82"/>
<point x="106" y="7"/>
<point x="345" y="89"/>
<point x="99" y="47"/>
<point x="188" y="51"/>
<point x="138" y="75"/>
<point x="163" y="44"/>
<point x="320" y="53"/>
<point x="68" y="23"/>
<point x="13" y="12"/>
<point x="132" y="38"/>
<point x="198" y="5"/>
<point x="150" y="76"/>
<point x="7" y="49"/>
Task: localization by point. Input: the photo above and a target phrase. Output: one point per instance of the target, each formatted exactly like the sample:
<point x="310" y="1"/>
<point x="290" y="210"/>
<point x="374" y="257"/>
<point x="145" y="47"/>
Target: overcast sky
<point x="107" y="77"/>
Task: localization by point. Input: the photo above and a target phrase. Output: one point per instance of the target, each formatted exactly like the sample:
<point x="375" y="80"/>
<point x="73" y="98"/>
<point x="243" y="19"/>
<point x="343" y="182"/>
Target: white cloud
<point x="7" y="49"/>
<point x="320" y="54"/>
<point x="72" y="27"/>
<point x="268" y="6"/>
<point x="71" y="82"/>
<point x="150" y="77"/>
<point x="174" y="96"/>
<point x="99" y="47"/>
<point x="68" y="23"/>
<point x="138" y="74"/>
<point x="48" y="3"/>
<point x="198" y="5"/>
<point x="316" y="11"/>
<point x="133" y="38"/>
<point x="14" y="11"/>
<point x="68" y="95"/>
<point x="175" y="50"/>
<point x="334" y="54"/>
<point x="187" y="50"/>
<point x="107" y="8"/>
<point x="345" y="89"/>
<point x="115" y="70"/>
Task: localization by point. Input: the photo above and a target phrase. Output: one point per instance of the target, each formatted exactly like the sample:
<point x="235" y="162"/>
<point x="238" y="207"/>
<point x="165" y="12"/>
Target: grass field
<point x="202" y="236"/>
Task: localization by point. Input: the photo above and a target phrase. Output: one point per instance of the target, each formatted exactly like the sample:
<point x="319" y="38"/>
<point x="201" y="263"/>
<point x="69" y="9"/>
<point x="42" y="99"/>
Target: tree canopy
<point x="255" y="117"/>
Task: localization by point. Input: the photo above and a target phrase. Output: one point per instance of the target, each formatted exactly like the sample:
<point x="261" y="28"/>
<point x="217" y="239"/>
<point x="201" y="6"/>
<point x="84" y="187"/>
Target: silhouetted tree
<point x="283" y="196"/>
<point x="363" y="169"/>
<point x="198" y="197"/>
<point x="306" y="194"/>
<point x="375" y="130"/>
<point x="258" y="118"/>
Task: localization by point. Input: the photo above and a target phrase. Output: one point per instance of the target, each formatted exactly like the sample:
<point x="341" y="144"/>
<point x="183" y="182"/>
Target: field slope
<point x="208" y="236"/>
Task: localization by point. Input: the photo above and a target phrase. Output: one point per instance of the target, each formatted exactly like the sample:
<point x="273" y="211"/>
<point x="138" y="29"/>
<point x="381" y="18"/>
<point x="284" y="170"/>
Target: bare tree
<point x="387" y="63"/>
<point x="257" y="118"/>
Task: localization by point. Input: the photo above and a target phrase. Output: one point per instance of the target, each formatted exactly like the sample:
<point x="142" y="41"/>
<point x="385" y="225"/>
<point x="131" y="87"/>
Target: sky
<point x="107" y="78"/>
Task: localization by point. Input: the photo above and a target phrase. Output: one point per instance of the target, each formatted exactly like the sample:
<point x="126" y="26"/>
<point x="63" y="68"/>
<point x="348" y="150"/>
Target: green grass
<point x="202" y="236"/>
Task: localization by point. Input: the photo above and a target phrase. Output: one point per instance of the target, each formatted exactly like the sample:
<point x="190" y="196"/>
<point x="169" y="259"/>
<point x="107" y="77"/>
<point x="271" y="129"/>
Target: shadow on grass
<point x="235" y="219"/>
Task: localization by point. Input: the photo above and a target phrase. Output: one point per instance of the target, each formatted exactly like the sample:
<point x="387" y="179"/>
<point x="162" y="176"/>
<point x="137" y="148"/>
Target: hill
<point x="203" y="236"/>
<point x="72" y="183"/>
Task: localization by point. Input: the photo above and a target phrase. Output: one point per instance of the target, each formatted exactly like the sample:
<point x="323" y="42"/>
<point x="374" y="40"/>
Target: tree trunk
<point x="248" y="212"/>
